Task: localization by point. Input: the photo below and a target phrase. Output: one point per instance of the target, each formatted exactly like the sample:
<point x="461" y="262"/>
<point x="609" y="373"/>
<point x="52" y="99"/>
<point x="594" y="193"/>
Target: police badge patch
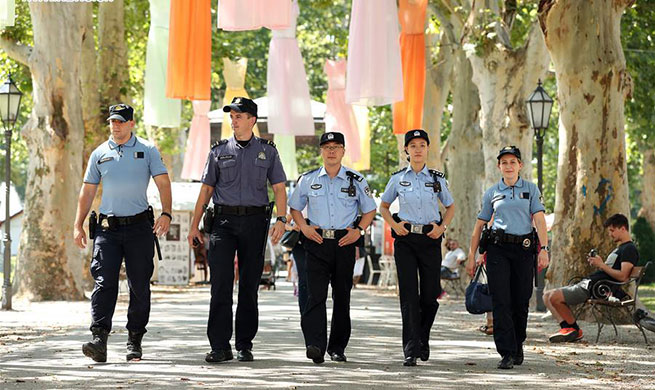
<point x="367" y="191"/>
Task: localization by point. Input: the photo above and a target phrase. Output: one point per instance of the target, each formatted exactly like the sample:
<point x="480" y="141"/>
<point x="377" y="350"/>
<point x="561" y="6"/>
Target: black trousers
<point x="243" y="235"/>
<point x="135" y="243"/>
<point x="300" y="257"/>
<point x="510" y="273"/>
<point x="328" y="263"/>
<point x="418" y="263"/>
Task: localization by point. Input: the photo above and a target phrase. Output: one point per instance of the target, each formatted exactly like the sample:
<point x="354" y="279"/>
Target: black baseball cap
<point x="332" y="136"/>
<point x="242" y="104"/>
<point x="418" y="133"/>
<point x="511" y="149"/>
<point x="121" y="112"/>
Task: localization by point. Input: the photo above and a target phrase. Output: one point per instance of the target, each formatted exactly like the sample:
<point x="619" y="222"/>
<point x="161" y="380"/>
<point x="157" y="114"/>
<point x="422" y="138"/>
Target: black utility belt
<point x="240" y="210"/>
<point x="112" y="222"/>
<point x="332" y="234"/>
<point x="415" y="228"/>
<point x="525" y="240"/>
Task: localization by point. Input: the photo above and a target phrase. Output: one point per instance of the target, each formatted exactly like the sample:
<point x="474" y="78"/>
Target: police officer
<point x="124" y="164"/>
<point x="511" y="246"/>
<point x="418" y="230"/>
<point x="235" y="178"/>
<point x="333" y="195"/>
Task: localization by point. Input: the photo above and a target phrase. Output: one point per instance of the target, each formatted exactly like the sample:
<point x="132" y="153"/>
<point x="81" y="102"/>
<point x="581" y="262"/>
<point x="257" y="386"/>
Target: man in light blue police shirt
<point x="124" y="164"/>
<point x="333" y="195"/>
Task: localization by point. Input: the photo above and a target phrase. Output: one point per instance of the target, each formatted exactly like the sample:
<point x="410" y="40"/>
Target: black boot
<point x="134" y="345"/>
<point x="96" y="349"/>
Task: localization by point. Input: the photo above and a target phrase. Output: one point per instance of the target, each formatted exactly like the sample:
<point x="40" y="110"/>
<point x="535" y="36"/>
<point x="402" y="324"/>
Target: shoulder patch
<point x="436" y="172"/>
<point x="217" y="143"/>
<point x="354" y="176"/>
<point x="398" y="171"/>
<point x="267" y="142"/>
<point x="307" y="173"/>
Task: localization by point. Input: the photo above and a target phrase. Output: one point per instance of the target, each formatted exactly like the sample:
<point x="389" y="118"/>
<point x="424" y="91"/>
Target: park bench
<point x="454" y="282"/>
<point x="604" y="306"/>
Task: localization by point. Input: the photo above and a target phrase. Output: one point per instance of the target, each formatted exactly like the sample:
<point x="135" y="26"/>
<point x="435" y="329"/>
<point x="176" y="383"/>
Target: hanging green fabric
<point x="286" y="147"/>
<point x="7" y="13"/>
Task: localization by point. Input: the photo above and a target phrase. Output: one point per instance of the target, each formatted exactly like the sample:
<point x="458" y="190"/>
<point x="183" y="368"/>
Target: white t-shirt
<point x="451" y="257"/>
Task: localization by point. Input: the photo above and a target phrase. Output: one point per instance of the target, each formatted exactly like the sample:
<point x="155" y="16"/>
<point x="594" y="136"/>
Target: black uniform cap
<point x="121" y="112"/>
<point x="509" y="150"/>
<point x="242" y="104"/>
<point x="332" y="136"/>
<point x="418" y="133"/>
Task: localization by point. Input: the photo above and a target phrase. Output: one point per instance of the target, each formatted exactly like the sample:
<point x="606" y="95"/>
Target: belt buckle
<point x="526" y="243"/>
<point x="328" y="233"/>
<point x="418" y="229"/>
<point x="104" y="223"/>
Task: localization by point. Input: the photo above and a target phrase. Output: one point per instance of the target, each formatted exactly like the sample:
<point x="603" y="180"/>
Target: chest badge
<point x="139" y="155"/>
<point x="104" y="160"/>
<point x="261" y="156"/>
<point x="405" y="183"/>
<point x="316" y="186"/>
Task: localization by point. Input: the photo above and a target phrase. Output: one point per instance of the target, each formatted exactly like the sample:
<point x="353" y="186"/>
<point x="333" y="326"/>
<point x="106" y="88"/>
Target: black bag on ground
<point x="478" y="298"/>
<point x="290" y="239"/>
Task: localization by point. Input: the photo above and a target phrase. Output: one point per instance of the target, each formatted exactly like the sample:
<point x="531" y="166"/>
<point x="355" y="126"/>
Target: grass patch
<point x="647" y="296"/>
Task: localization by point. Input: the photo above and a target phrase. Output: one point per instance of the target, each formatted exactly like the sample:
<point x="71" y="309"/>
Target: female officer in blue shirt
<point x="514" y="204"/>
<point x="418" y="229"/>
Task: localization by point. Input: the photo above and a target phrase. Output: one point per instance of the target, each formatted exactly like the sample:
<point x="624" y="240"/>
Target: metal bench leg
<point x="636" y="323"/>
<point x="611" y="317"/>
<point x="595" y="311"/>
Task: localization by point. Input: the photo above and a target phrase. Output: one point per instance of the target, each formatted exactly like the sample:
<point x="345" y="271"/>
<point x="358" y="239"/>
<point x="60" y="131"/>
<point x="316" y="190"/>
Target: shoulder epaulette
<point x="354" y="175"/>
<point x="307" y="173"/>
<point x="267" y="142"/>
<point x="217" y="143"/>
<point x="438" y="173"/>
<point x="398" y="171"/>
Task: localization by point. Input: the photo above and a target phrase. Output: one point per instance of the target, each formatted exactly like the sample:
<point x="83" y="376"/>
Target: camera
<point x="593" y="252"/>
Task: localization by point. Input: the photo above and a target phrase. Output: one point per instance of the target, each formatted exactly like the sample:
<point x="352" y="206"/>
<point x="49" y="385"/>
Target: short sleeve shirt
<point x="419" y="202"/>
<point x="624" y="253"/>
<point x="511" y="206"/>
<point x="329" y="203"/>
<point x="125" y="171"/>
<point x="239" y="174"/>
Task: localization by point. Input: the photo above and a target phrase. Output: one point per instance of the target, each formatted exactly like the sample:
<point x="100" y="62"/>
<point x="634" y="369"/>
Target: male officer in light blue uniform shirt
<point x="333" y="195"/>
<point x="124" y="164"/>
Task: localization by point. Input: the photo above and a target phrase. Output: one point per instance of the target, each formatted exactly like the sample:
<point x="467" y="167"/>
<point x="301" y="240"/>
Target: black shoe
<point x="506" y="363"/>
<point x="425" y="352"/>
<point x="134" y="351"/>
<point x="338" y="357"/>
<point x="219" y="356"/>
<point x="409" y="361"/>
<point x="245" y="356"/>
<point x="314" y="353"/>
<point x="518" y="359"/>
<point x="96" y="349"/>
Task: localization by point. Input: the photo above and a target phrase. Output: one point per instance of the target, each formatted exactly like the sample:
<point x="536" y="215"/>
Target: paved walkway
<point x="40" y="348"/>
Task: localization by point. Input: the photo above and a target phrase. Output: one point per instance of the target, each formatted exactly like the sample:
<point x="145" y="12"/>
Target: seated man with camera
<point x="617" y="267"/>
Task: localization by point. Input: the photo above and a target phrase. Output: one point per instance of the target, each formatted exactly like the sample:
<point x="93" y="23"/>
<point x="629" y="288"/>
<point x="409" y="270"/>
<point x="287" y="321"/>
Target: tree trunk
<point x="49" y="264"/>
<point x="112" y="53"/>
<point x="648" y="184"/>
<point x="505" y="77"/>
<point x="583" y="38"/>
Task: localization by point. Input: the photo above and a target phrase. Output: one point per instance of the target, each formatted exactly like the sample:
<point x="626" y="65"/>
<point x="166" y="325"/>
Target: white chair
<point x="371" y="271"/>
<point x="388" y="268"/>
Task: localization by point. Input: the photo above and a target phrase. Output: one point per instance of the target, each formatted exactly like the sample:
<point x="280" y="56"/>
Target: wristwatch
<point x="281" y="219"/>
<point x="545" y="248"/>
<point x="361" y="230"/>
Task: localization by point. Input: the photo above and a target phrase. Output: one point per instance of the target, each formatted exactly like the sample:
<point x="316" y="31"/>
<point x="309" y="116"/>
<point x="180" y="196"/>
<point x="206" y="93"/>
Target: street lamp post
<point x="10" y="97"/>
<point x="540" y="106"/>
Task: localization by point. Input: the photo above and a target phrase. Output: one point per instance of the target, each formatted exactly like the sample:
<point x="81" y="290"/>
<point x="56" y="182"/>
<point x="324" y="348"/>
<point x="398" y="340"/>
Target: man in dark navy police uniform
<point x="124" y="164"/>
<point x="235" y="178"/>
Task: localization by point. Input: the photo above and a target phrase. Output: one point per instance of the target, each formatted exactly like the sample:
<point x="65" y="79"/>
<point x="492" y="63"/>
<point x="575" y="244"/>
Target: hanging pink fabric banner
<point x="197" y="145"/>
<point x="289" y="104"/>
<point x="242" y="15"/>
<point x="339" y="116"/>
<point x="375" y="76"/>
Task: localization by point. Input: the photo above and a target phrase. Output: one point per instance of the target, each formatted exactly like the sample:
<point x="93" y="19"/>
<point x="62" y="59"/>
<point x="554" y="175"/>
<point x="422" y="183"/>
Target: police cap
<point x="332" y="136"/>
<point x="511" y="149"/>
<point x="121" y="112"/>
<point x="242" y="104"/>
<point x="418" y="133"/>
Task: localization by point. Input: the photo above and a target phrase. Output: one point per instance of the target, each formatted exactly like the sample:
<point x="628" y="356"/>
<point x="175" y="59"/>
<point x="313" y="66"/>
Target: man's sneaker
<point x="566" y="335"/>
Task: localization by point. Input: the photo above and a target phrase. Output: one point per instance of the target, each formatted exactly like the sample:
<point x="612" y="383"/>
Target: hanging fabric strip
<point x="197" y="145"/>
<point x="289" y="104"/>
<point x="408" y="114"/>
<point x="242" y="15"/>
<point x="189" y="50"/>
<point x="339" y="116"/>
<point x="158" y="110"/>
<point x="286" y="147"/>
<point x="7" y="13"/>
<point x="374" y="66"/>
<point x="234" y="73"/>
<point x="364" y="129"/>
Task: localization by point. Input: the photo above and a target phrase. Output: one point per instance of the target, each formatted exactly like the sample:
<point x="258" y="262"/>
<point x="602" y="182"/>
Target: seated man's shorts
<point x="577" y="293"/>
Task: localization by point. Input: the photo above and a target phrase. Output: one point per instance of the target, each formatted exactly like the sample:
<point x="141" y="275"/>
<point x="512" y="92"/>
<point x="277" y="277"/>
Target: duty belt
<point x="240" y="210"/>
<point x="332" y="234"/>
<point x="525" y="240"/>
<point x="108" y="221"/>
<point x="415" y="228"/>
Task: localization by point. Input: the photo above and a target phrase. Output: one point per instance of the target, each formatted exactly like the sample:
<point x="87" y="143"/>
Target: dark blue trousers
<point x="243" y="235"/>
<point x="134" y="243"/>
<point x="510" y="275"/>
<point x="300" y="257"/>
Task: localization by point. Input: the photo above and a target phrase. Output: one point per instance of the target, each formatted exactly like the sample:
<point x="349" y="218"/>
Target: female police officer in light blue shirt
<point x="418" y="229"/>
<point x="514" y="204"/>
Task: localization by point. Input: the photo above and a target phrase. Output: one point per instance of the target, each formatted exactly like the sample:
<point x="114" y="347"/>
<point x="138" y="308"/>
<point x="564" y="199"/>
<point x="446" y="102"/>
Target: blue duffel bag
<point x="478" y="298"/>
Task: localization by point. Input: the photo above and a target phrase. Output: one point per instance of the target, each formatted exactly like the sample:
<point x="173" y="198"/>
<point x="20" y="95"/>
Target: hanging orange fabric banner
<point x="189" y="50"/>
<point x="408" y="114"/>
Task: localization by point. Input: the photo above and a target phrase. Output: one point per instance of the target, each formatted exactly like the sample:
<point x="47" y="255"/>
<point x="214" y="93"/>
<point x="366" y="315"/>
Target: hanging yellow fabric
<point x="234" y="73"/>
